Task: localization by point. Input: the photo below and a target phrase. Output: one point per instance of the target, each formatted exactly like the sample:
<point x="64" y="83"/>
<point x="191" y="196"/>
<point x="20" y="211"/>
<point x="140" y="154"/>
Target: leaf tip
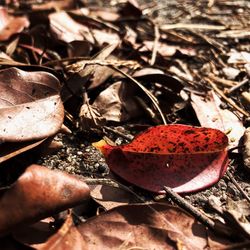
<point x="100" y="145"/>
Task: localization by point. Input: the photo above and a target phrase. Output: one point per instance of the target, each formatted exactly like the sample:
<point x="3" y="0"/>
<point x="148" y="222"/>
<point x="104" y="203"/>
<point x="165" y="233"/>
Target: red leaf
<point x="182" y="157"/>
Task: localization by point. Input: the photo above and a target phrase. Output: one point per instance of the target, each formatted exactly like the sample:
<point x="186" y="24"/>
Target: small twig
<point x="236" y="87"/>
<point x="224" y="82"/>
<point x="155" y="46"/>
<point x="189" y="208"/>
<point x="192" y="26"/>
<point x="228" y="100"/>
<point x="115" y="131"/>
<point x="232" y="179"/>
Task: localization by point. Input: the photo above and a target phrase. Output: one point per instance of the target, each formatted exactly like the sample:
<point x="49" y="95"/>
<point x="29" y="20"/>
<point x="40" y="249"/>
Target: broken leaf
<point x="30" y="105"/>
<point x="38" y="193"/>
<point x="182" y="157"/>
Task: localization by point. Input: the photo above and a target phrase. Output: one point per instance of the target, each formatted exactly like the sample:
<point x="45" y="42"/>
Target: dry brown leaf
<point x="67" y="29"/>
<point x="154" y="226"/>
<point x="237" y="214"/>
<point x="111" y="197"/>
<point x="80" y="78"/>
<point x="210" y="115"/>
<point x="38" y="193"/>
<point x="10" y="25"/>
<point x="90" y="118"/>
<point x="67" y="237"/>
<point x="117" y="103"/>
<point x="30" y="105"/>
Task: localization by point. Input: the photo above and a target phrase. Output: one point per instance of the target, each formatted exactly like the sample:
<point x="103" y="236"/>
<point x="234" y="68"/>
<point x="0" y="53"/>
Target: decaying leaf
<point x="117" y="102"/>
<point x="210" y="115"/>
<point x="10" y="25"/>
<point x="182" y="157"/>
<point x="38" y="193"/>
<point x="30" y="105"/>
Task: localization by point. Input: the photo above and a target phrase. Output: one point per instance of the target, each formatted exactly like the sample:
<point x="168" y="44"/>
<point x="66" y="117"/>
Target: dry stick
<point x="155" y="46"/>
<point x="126" y="137"/>
<point x="147" y="92"/>
<point x="232" y="179"/>
<point x="188" y="207"/>
<point x="228" y="100"/>
<point x="236" y="87"/>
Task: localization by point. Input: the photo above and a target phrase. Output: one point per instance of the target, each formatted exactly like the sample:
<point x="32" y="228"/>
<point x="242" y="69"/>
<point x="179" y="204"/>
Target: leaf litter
<point x="118" y="70"/>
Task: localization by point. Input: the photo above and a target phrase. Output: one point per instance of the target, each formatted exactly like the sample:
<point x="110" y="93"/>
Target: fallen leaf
<point x="236" y="214"/>
<point x="10" y="25"/>
<point x="11" y="149"/>
<point x="38" y="193"/>
<point x="90" y="117"/>
<point x="67" y="29"/>
<point x="182" y="157"/>
<point x="144" y="226"/>
<point x="111" y="197"/>
<point x="117" y="103"/>
<point x="30" y="105"/>
<point x="210" y="115"/>
<point x="67" y="237"/>
<point x="80" y="78"/>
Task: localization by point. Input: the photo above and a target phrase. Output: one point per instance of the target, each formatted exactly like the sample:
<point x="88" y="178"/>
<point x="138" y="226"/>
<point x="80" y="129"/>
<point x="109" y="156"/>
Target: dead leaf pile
<point x="165" y="84"/>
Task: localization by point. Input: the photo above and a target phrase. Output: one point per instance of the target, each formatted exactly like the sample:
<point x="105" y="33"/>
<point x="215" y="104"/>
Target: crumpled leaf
<point x="38" y="193"/>
<point x="10" y="25"/>
<point x="117" y="103"/>
<point x="30" y="105"/>
<point x="210" y="115"/>
<point x="139" y="226"/>
<point x="182" y="157"/>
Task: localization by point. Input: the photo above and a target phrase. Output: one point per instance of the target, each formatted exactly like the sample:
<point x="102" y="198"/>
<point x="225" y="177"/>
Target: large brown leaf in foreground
<point x="39" y="193"/>
<point x="154" y="226"/>
<point x="182" y="157"/>
<point x="30" y="105"/>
